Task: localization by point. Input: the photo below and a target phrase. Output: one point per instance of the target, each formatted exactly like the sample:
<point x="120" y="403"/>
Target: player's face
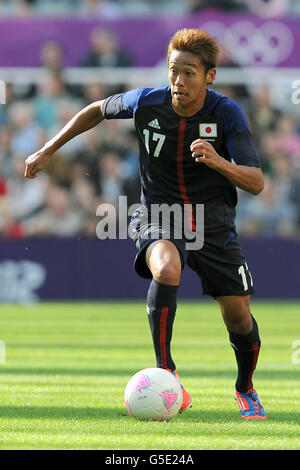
<point x="188" y="80"/>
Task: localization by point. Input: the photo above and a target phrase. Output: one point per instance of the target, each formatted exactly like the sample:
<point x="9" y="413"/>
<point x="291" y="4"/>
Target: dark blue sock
<point x="246" y="349"/>
<point x="161" y="306"/>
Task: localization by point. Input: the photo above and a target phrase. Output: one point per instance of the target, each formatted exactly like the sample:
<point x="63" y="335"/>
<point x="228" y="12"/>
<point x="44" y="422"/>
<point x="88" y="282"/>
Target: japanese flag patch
<point x="208" y="130"/>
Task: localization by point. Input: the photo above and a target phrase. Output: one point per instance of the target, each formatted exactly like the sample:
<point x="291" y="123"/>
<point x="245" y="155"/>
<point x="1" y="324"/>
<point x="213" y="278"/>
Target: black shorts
<point x="220" y="263"/>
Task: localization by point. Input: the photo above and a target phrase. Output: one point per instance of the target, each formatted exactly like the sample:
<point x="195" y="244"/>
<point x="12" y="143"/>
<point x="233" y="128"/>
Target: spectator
<point x="94" y="92"/>
<point x="58" y="218"/>
<point x="231" y="5"/>
<point x="24" y="199"/>
<point x="3" y="188"/>
<point x="102" y="8"/>
<point x="83" y="191"/>
<point x="268" y="9"/>
<point x="263" y="113"/>
<point x="295" y="196"/>
<point x="288" y="138"/>
<point x="64" y="113"/>
<point x="88" y="156"/>
<point x="52" y="56"/>
<point x="51" y="96"/>
<point x="10" y="228"/>
<point x="18" y="7"/>
<point x="9" y="99"/>
<point x="111" y="181"/>
<point x="273" y="214"/>
<point x="26" y="132"/>
<point x="268" y="149"/>
<point x="56" y="7"/>
<point x="131" y="157"/>
<point x="106" y="50"/>
<point x="6" y="153"/>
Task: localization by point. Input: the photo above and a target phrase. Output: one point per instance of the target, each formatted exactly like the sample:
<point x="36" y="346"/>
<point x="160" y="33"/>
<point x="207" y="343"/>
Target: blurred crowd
<point x="115" y="8"/>
<point x="102" y="164"/>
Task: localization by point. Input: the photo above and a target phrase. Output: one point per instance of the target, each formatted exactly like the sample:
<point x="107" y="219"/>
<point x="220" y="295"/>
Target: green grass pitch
<point x="67" y="365"/>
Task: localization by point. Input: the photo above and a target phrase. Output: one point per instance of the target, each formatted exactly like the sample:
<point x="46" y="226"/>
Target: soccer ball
<point x="153" y="394"/>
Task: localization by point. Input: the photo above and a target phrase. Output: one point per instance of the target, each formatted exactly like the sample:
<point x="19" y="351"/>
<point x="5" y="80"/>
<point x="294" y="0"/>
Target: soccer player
<point x="195" y="149"/>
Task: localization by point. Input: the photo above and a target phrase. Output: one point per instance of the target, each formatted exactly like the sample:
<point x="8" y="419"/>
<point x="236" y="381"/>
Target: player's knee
<point x="166" y="273"/>
<point x="237" y="317"/>
<point x="240" y="323"/>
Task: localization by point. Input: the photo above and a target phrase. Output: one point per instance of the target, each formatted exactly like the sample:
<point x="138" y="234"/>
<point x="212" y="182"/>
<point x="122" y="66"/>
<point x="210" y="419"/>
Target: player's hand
<point x="36" y="163"/>
<point x="204" y="152"/>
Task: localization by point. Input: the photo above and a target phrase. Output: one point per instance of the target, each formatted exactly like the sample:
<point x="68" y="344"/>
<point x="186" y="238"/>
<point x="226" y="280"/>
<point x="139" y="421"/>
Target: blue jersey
<point x="169" y="173"/>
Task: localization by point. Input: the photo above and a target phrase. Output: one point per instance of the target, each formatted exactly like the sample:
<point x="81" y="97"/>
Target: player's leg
<point x="164" y="262"/>
<point x="161" y="261"/>
<point x="229" y="281"/>
<point x="245" y="340"/>
<point x="243" y="337"/>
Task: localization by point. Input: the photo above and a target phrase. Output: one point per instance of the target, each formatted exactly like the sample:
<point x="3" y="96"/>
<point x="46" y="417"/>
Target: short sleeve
<point x="122" y="105"/>
<point x="238" y="139"/>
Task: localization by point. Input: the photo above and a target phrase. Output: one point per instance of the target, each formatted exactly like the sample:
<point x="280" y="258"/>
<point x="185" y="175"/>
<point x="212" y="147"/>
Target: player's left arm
<point x="249" y="178"/>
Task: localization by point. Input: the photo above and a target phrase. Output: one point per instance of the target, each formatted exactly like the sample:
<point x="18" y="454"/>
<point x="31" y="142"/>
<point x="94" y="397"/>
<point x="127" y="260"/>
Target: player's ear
<point x="210" y="76"/>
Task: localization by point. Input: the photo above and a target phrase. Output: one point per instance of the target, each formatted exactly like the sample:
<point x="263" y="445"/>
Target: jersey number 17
<point x="155" y="137"/>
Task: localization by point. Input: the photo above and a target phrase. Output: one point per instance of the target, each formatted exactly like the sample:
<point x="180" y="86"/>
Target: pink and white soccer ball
<point x="153" y="394"/>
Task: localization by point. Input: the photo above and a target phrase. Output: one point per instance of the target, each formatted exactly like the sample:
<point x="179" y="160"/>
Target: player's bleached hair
<point x="198" y="42"/>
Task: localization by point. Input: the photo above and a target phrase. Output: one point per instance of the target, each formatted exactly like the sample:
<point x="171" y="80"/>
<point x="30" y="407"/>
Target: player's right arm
<point x="86" y="119"/>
